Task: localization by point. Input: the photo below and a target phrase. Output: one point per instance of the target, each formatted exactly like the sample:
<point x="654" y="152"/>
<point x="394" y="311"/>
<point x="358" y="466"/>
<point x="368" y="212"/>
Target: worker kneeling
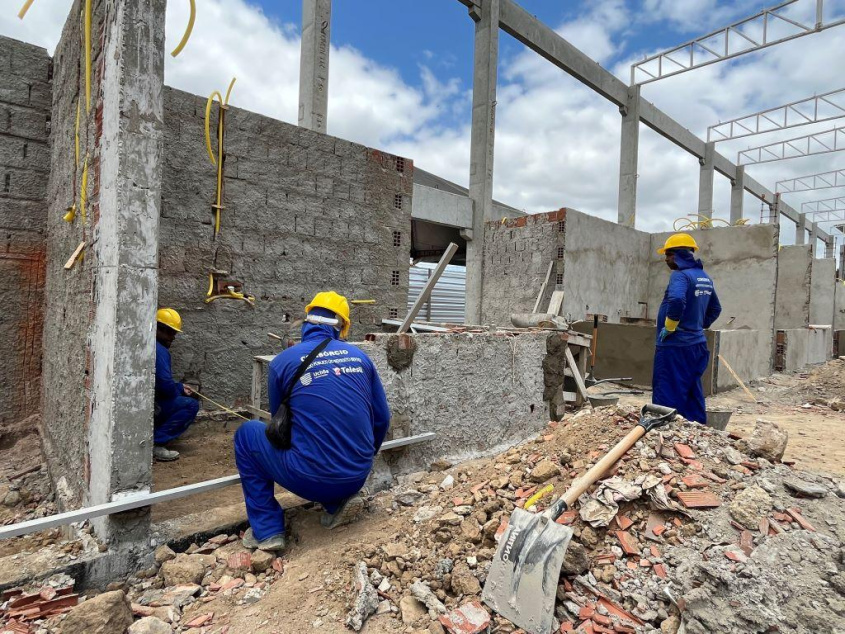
<point x="176" y="405"/>
<point x="338" y="417"/>
<point x="689" y="306"/>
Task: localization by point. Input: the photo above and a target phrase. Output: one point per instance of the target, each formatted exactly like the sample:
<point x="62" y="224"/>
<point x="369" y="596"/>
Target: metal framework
<point x="828" y="210"/>
<point x="761" y="30"/>
<point x="822" y="180"/>
<point x="808" y="145"/>
<point x="802" y="112"/>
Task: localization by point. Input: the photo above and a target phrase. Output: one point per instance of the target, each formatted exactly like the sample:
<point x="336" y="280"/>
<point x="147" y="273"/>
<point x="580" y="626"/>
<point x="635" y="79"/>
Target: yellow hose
<point x="83" y="195"/>
<point x="210" y="284"/>
<point x="229" y="92"/>
<point x="208" y="125"/>
<point x="76" y="133"/>
<point x="536" y="497"/>
<point x="188" y="31"/>
<point x="88" y="56"/>
<point x="25" y="8"/>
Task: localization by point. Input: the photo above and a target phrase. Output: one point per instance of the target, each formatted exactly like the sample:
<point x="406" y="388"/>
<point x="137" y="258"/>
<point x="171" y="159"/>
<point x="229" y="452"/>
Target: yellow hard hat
<point x="169" y="318"/>
<point x="679" y="241"/>
<point x="335" y="303"/>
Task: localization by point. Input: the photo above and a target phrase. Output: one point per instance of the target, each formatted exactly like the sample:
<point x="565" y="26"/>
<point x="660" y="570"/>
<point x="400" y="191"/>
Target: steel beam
<point x="130" y="503"/>
<point x="803" y="112"/>
<point x="763" y="29"/>
<point x="807" y="145"/>
<point x="822" y="180"/>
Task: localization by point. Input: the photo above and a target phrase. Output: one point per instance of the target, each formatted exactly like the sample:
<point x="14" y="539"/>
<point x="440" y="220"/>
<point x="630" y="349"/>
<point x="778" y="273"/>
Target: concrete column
<point x="705" y="181"/>
<point x="801" y="229"/>
<point x="314" y="64"/>
<point x="120" y="434"/>
<point x="814" y="239"/>
<point x="829" y="247"/>
<point x="628" y="158"/>
<point x="738" y="194"/>
<point x="485" y="72"/>
<point x="842" y="261"/>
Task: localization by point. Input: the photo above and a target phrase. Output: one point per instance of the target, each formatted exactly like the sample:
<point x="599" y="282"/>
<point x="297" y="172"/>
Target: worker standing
<point x="690" y="305"/>
<point x="176" y="405"/>
<point x="339" y="418"/>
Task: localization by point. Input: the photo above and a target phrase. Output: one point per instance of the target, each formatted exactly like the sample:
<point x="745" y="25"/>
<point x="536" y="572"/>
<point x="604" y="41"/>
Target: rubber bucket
<point x="718" y="419"/>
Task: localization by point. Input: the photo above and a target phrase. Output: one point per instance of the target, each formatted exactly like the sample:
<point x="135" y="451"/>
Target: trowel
<point x="523" y="578"/>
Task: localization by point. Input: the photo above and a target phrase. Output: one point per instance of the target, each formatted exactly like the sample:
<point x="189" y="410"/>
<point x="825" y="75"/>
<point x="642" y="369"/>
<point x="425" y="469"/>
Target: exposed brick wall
<point x="25" y="99"/>
<point x="517" y="254"/>
<point x="304" y="212"/>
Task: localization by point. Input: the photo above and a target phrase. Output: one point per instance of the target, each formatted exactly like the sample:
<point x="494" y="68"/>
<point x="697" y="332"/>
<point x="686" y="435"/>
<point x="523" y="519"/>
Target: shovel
<point x="523" y="578"/>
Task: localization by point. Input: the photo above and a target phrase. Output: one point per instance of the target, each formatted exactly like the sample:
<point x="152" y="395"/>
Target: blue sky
<point x="400" y="80"/>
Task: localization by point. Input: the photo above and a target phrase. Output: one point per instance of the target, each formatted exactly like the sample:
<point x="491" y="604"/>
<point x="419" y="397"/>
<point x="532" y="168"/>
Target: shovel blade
<point x="522" y="582"/>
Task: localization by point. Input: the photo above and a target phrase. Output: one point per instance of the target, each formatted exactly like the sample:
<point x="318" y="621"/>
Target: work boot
<point x="271" y="544"/>
<point x="347" y="512"/>
<point x="163" y="454"/>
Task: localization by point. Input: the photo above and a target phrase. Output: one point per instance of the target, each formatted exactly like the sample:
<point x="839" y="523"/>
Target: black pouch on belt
<point x="278" y="430"/>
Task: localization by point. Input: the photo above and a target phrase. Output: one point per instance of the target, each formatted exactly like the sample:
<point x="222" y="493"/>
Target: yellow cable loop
<point x="210" y="284"/>
<point x="188" y="30"/>
<point x="88" y="56"/>
<point x="25" y="8"/>
<point x="208" y="125"/>
<point x="229" y="92"/>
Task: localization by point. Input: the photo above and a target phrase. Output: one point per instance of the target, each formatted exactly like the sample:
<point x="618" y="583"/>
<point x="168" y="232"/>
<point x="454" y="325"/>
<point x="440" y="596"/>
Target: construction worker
<point x="339" y="417"/>
<point x="690" y="305"/>
<point x="176" y="405"/>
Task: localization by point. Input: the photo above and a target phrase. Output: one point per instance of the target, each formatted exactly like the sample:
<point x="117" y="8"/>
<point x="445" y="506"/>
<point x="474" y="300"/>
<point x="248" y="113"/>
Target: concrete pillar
<point x="842" y="261"/>
<point x="485" y="71"/>
<point x="829" y="247"/>
<point x="737" y="194"/>
<point x="801" y="229"/>
<point x="628" y="158"/>
<point x="705" y="181"/>
<point x="314" y="64"/>
<point x="120" y="433"/>
<point x="814" y="239"/>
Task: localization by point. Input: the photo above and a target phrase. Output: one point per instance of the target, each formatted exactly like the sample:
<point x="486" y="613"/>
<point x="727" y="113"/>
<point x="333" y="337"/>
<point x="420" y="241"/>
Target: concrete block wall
<point x="822" y="292"/>
<point x="792" y="309"/>
<point x="304" y="212"/>
<point x="839" y="306"/>
<point x="478" y="393"/>
<point x="799" y="347"/>
<point x="517" y="254"/>
<point x="749" y="352"/>
<point x="25" y="104"/>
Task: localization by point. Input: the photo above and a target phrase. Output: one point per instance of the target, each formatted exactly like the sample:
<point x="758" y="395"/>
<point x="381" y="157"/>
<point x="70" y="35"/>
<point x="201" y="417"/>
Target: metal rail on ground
<point x="148" y="499"/>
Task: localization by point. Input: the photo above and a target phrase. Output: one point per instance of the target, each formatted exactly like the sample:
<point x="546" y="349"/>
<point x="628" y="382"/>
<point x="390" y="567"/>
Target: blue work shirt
<point x="690" y="299"/>
<point x="166" y="388"/>
<point x="339" y="411"/>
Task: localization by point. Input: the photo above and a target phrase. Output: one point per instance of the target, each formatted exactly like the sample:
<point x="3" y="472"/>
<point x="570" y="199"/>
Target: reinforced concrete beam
<point x="314" y="64"/>
<point x="629" y="158"/>
<point x="485" y="76"/>
<point x="442" y="208"/>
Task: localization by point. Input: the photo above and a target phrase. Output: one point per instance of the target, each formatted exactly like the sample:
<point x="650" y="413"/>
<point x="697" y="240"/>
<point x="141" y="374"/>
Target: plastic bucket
<point x="718" y="419"/>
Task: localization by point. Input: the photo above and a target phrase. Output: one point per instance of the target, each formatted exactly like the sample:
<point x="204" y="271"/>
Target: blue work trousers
<point x="260" y="465"/>
<point x="174" y="418"/>
<point x="677" y="379"/>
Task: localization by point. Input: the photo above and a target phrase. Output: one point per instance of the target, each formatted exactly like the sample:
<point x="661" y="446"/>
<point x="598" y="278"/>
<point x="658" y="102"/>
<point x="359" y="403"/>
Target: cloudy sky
<point x="401" y="80"/>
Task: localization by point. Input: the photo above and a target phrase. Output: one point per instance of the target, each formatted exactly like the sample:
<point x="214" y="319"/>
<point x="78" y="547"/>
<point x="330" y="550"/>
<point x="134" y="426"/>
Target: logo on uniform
<point x="338" y="372"/>
<point x="306" y="379"/>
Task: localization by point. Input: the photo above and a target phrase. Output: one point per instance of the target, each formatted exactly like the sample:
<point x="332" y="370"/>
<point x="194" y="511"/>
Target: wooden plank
<point x="543" y="287"/>
<point x="579" y="380"/>
<point x="429" y="286"/>
<point x="555" y="303"/>
<point x="259" y="413"/>
<point x="73" y="258"/>
<point x="257" y="378"/>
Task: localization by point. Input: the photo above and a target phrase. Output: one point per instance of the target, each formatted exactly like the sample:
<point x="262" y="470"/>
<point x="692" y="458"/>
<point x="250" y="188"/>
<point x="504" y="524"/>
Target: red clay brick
<point x="695" y="481"/>
<point x="800" y="519"/>
<point x="660" y="570"/>
<point x="684" y="451"/>
<point x="629" y="543"/>
<point x="624" y="522"/>
<point x="699" y="499"/>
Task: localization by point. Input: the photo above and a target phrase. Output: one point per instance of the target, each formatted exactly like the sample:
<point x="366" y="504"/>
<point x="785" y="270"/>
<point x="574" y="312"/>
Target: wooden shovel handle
<point x="603" y="466"/>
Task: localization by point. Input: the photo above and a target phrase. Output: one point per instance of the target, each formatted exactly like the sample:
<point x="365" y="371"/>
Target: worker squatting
<point x="330" y="413"/>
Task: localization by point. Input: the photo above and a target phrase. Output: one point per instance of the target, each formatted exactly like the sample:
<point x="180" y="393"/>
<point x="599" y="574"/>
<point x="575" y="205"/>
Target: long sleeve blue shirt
<point x="339" y="410"/>
<point x="166" y="388"/>
<point x="689" y="299"/>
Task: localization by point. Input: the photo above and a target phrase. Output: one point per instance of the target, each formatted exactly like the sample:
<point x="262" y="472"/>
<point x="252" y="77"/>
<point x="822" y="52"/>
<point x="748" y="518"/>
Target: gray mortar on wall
<point x="25" y="103"/>
<point x="822" y="290"/>
<point x="304" y="212"/>
<point x="480" y="393"/>
<point x="792" y="309"/>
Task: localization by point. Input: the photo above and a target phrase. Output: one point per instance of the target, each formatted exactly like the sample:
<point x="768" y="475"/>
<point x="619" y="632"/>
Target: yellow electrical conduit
<point x="698" y="221"/>
<point x="217" y="160"/>
<point x="230" y="294"/>
<point x="88" y="56"/>
<point x="25" y="8"/>
<point x="188" y="30"/>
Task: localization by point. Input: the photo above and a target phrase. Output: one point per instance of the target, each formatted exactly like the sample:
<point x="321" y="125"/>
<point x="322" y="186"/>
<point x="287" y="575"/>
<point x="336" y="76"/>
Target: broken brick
<point x="624" y="522"/>
<point x="695" y="481"/>
<point x="660" y="570"/>
<point x="793" y="512"/>
<point x="699" y="499"/>
<point x="470" y="618"/>
<point x="658" y="530"/>
<point x="629" y="543"/>
<point x="200" y="620"/>
<point x="684" y="451"/>
<point x="746" y="542"/>
<point x="586" y="612"/>
<point x="655" y="552"/>
<point x="567" y="517"/>
<point x="736" y="556"/>
<point x="241" y="560"/>
<point x="566" y="626"/>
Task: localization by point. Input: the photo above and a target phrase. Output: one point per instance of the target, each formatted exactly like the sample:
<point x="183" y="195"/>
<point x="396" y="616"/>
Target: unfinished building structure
<point x="123" y="157"/>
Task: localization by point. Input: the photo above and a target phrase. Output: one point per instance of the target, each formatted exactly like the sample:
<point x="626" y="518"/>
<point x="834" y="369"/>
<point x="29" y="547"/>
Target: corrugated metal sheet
<point x="448" y="300"/>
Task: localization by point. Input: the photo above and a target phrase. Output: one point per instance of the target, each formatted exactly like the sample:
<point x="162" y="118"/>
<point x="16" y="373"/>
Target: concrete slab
<point x="792" y="308"/>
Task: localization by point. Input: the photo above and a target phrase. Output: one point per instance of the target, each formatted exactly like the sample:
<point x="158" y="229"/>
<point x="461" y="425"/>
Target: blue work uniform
<point x="681" y="358"/>
<point x="175" y="412"/>
<point x="340" y="417"/>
